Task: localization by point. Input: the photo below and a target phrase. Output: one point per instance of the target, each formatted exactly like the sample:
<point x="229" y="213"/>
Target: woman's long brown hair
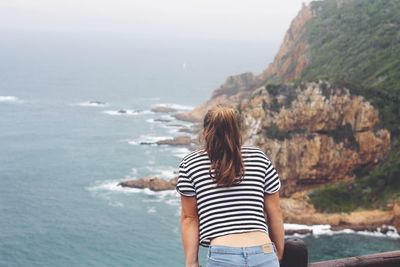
<point x="223" y="141"/>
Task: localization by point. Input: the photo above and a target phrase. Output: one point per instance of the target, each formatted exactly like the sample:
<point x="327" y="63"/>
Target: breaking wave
<point x="10" y="99"/>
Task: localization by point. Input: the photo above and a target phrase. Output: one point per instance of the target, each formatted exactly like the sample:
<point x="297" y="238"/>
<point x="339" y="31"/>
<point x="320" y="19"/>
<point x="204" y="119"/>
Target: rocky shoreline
<point x="297" y="210"/>
<point x="295" y="205"/>
<point x="185" y="139"/>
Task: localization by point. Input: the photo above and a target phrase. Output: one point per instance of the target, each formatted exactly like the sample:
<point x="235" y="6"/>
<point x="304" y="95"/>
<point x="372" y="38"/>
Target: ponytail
<point x="223" y="141"/>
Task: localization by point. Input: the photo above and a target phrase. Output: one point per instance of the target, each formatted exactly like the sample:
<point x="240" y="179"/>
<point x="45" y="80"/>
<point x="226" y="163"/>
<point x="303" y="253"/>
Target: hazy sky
<point x="260" y="20"/>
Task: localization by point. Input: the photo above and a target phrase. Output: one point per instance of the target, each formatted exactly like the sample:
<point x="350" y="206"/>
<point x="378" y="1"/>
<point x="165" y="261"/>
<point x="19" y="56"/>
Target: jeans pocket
<point x="263" y="259"/>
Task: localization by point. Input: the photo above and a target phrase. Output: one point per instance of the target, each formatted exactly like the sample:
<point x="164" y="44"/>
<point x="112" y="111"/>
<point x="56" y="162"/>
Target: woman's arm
<point x="275" y="221"/>
<point x="190" y="230"/>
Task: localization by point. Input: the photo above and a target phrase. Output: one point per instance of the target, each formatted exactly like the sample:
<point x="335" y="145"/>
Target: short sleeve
<point x="272" y="182"/>
<point x="184" y="185"/>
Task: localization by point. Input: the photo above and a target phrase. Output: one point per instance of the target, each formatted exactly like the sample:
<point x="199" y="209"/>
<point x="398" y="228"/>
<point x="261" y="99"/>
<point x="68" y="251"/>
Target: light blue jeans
<point x="255" y="256"/>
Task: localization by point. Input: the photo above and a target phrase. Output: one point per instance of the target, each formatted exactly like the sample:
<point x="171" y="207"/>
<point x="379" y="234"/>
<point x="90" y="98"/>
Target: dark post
<point x="295" y="253"/>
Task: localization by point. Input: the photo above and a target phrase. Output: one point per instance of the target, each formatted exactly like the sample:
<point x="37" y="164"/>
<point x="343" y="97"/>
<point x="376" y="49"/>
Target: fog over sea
<point x="62" y="156"/>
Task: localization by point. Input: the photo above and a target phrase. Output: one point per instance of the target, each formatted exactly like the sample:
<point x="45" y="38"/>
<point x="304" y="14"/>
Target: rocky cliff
<point x="293" y="54"/>
<point x="315" y="133"/>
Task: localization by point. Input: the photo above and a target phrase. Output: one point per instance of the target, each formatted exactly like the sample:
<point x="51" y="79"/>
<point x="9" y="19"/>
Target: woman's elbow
<point x="189" y="218"/>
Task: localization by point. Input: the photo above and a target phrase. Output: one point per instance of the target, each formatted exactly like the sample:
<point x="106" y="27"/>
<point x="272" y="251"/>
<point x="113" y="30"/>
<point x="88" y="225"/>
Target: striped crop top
<point x="227" y="210"/>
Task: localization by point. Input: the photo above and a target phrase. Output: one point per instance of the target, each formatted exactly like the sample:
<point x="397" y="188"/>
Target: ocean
<point x="62" y="156"/>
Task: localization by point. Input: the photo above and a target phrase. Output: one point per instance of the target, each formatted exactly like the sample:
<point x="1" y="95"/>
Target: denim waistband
<point x="240" y="250"/>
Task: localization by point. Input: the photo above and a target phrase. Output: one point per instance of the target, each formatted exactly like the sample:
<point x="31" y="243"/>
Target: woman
<point x="229" y="198"/>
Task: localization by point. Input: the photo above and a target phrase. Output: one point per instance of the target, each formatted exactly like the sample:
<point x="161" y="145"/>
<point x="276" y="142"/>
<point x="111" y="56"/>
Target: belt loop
<point x="273" y="246"/>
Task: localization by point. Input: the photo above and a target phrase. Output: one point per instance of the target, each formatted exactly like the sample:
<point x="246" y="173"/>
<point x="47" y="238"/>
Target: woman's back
<point x="225" y="210"/>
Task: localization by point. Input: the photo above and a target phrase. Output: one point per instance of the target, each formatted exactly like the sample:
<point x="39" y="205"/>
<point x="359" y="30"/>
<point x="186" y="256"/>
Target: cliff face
<point x="293" y="54"/>
<point x="314" y="133"/>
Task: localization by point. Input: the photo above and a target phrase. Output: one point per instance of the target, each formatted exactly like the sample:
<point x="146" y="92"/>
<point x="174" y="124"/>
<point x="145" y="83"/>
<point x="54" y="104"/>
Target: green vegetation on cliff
<point x="374" y="190"/>
<point x="356" y="44"/>
<point x="355" y="40"/>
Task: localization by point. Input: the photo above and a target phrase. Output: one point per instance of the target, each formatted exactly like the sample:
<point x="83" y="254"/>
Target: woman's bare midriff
<point x="247" y="239"/>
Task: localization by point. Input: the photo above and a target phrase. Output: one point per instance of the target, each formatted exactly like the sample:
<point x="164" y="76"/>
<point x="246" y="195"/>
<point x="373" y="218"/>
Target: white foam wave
<point x="173" y="202"/>
<point x="162" y="119"/>
<point x="172" y="130"/>
<point x="326" y="229"/>
<point x="391" y="233"/>
<point x="111" y="186"/>
<point x="111" y="192"/>
<point x="290" y="226"/>
<point x="127" y="112"/>
<point x="10" y="99"/>
<point x="152" y="121"/>
<point x="174" y="106"/>
<point x="166" y="172"/>
<point x="151" y="210"/>
<point x="171" y="124"/>
<point x="115" y="204"/>
<point x="91" y="104"/>
<point x="147" y="140"/>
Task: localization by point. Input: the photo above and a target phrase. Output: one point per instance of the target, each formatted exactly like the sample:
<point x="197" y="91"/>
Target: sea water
<point x="62" y="156"/>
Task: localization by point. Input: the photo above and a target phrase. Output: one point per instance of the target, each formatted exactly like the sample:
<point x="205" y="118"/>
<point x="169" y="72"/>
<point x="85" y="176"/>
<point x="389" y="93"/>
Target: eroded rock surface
<point x="315" y="133"/>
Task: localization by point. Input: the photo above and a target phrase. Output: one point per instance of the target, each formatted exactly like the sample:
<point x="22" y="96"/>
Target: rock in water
<point x="153" y="183"/>
<point x="183" y="140"/>
<point x="163" y="109"/>
<point x="97" y="102"/>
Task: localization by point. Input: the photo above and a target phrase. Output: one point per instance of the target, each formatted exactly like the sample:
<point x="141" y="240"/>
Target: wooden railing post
<point x="385" y="259"/>
<point x="295" y="253"/>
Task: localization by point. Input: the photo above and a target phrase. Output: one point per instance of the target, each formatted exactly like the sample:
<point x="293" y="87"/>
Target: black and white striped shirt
<point x="227" y="210"/>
